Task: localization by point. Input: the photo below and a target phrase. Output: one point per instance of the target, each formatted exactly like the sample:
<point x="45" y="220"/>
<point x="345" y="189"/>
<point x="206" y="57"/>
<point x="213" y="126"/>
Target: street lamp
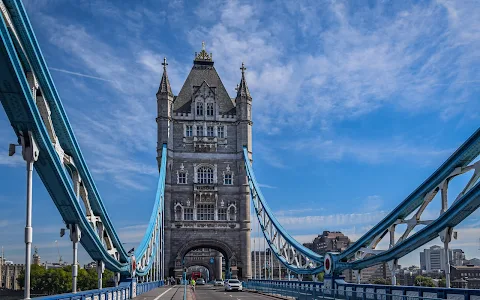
<point x="30" y="154"/>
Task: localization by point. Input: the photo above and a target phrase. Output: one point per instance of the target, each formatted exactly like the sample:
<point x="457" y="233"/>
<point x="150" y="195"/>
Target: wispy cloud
<point x="331" y="221"/>
<point x="266" y="186"/>
<point x="79" y="74"/>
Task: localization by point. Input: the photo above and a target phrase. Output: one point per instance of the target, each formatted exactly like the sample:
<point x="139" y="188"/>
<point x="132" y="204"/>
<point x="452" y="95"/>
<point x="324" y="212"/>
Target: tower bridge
<point x="206" y="191"/>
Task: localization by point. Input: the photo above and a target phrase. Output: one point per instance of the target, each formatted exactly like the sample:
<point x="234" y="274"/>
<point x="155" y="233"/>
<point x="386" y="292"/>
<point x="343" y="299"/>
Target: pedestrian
<point x="193" y="284"/>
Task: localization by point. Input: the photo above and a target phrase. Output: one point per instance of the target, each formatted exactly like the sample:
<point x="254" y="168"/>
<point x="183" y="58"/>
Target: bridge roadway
<point x="209" y="292"/>
<point x="163" y="293"/>
<point x="203" y="292"/>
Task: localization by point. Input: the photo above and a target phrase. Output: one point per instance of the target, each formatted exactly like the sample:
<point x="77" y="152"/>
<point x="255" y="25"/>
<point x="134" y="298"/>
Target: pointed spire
<point x="164" y="82"/>
<point x="242" y="88"/>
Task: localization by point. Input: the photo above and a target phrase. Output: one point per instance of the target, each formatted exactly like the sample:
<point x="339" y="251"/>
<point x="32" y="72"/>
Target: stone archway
<point x="201" y="264"/>
<point x="217" y="245"/>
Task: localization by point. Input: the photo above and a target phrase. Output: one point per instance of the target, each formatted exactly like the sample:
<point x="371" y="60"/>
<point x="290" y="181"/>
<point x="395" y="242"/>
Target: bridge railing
<point x="122" y="292"/>
<point x="148" y="286"/>
<point x="317" y="290"/>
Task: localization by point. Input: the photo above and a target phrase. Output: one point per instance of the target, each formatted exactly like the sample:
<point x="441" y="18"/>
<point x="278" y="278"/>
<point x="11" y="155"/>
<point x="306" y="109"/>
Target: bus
<point x="196" y="274"/>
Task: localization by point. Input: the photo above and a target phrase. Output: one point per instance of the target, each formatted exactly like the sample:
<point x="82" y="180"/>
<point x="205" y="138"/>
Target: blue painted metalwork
<point x="265" y="218"/>
<point x="317" y="290"/>
<point x="155" y="218"/>
<point x="148" y="286"/>
<point x="19" y="55"/>
<point x="59" y="118"/>
<point x="122" y="292"/>
<point x="458" y="211"/>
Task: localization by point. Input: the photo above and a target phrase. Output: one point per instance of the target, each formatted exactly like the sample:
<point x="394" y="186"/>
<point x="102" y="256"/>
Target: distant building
<point x="329" y="241"/>
<point x="9" y="273"/>
<point x="458" y="257"/>
<point x="36" y="257"/>
<point x="92" y="265"/>
<point x="370" y="274"/>
<point x="473" y="261"/>
<point x="465" y="276"/>
<point x="55" y="265"/>
<point x="433" y="259"/>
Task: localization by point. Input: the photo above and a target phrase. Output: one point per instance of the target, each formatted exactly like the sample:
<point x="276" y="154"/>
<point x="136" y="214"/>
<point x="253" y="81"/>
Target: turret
<point x="243" y="103"/>
<point x="164" y="112"/>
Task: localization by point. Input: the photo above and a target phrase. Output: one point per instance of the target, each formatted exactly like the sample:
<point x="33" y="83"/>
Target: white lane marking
<point x="158" y="297"/>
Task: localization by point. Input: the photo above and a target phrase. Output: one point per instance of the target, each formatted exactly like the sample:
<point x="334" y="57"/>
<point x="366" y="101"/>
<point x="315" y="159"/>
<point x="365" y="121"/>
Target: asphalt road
<point x="209" y="292"/>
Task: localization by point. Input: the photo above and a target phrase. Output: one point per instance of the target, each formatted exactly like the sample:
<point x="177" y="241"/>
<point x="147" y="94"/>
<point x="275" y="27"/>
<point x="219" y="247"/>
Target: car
<point x="233" y="285"/>
<point x="218" y="282"/>
<point x="200" y="281"/>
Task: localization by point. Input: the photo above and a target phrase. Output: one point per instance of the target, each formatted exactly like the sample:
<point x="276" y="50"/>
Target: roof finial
<point x="243" y="68"/>
<point x="164" y="64"/>
<point x="203" y="46"/>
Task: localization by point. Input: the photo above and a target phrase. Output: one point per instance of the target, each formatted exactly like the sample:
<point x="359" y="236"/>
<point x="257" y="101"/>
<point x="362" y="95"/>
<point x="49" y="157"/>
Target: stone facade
<point x="207" y="200"/>
<point x="9" y="272"/>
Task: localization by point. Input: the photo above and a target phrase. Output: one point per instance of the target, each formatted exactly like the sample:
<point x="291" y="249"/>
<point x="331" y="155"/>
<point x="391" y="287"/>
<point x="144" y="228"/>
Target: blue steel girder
<point x="145" y="253"/>
<point x="362" y="253"/>
<point x="293" y="255"/>
<point x="31" y="102"/>
<point x="30" y="51"/>
<point x="24" y="116"/>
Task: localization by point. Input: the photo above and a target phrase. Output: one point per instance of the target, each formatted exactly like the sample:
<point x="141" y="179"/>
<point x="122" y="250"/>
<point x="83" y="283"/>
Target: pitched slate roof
<point x="203" y="70"/>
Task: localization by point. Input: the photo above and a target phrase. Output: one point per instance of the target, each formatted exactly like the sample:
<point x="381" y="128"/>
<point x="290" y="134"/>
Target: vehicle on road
<point x="200" y="281"/>
<point x="218" y="282"/>
<point x="233" y="285"/>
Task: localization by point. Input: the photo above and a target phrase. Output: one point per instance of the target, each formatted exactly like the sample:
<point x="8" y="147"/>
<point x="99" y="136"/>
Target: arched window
<point x="232" y="213"/>
<point x="178" y="213"/>
<point x="205" y="175"/>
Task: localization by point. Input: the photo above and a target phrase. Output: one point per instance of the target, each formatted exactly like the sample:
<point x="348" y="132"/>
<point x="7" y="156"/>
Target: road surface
<point x="163" y="293"/>
<point x="209" y="292"/>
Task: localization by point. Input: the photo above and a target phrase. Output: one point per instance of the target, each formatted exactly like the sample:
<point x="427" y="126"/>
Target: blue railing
<point x="122" y="292"/>
<point x="348" y="291"/>
<point x="148" y="286"/>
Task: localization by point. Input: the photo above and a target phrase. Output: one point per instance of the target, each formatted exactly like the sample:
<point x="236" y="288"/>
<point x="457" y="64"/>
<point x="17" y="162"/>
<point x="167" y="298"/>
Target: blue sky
<point x="354" y="104"/>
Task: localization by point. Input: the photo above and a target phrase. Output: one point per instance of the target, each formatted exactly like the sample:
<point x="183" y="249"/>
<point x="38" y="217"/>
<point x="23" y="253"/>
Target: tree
<point x="424" y="281"/>
<point x="381" y="281"/>
<point x="442" y="282"/>
<point x="321" y="277"/>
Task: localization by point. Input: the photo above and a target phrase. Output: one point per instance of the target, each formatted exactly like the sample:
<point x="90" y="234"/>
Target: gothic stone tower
<point x="207" y="201"/>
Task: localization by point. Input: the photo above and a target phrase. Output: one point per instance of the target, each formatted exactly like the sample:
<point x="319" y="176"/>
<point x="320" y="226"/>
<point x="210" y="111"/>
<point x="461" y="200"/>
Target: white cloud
<point x="331" y="221"/>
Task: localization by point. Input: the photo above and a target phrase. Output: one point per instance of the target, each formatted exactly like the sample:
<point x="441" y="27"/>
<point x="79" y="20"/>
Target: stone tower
<point x="207" y="201"/>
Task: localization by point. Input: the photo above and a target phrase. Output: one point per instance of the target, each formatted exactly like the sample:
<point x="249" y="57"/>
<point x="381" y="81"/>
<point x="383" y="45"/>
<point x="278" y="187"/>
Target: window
<point x="205" y="175"/>
<point x="199" y="130"/>
<point x="205" y="212"/>
<point x="178" y="213"/>
<point x="199" y="109"/>
<point x="222" y="214"/>
<point x="209" y="130"/>
<point x="231" y="213"/>
<point x="188" y="214"/>
<point x="220" y="132"/>
<point x="209" y="109"/>
<point x="227" y="179"/>
<point x="188" y="130"/>
<point x="182" y="178"/>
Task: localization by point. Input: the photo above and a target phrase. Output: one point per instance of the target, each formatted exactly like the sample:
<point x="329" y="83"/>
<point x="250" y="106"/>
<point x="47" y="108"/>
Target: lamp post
<point x="30" y="155"/>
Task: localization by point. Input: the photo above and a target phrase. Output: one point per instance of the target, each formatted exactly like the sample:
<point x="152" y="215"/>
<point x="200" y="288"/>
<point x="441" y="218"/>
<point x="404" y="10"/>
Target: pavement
<point x="209" y="292"/>
<point x="163" y="293"/>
